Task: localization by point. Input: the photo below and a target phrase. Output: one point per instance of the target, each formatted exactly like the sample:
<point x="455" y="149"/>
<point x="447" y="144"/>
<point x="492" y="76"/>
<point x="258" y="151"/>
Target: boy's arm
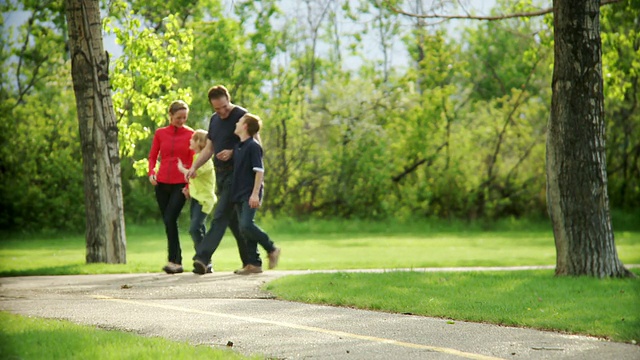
<point x="254" y="199"/>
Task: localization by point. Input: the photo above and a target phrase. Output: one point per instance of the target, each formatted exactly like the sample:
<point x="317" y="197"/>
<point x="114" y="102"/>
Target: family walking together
<point x="222" y="171"/>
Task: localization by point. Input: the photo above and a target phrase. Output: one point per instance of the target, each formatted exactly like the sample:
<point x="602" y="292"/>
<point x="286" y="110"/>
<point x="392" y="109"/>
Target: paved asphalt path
<point x="223" y="308"/>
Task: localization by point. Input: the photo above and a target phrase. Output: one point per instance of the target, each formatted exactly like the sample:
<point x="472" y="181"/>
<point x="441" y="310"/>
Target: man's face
<point x="221" y="106"/>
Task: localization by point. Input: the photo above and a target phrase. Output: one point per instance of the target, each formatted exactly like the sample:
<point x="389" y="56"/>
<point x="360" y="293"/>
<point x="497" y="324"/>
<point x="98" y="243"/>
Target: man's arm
<point x="205" y="155"/>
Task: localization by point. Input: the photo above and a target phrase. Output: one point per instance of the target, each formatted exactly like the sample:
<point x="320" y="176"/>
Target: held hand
<point x="191" y="174"/>
<point x="185" y="192"/>
<point x="254" y="201"/>
<point x="152" y="180"/>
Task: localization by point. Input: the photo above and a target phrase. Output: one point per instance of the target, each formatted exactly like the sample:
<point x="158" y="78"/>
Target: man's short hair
<point x="218" y="92"/>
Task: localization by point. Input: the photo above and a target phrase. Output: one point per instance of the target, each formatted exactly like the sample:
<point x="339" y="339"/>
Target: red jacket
<point x="171" y="143"/>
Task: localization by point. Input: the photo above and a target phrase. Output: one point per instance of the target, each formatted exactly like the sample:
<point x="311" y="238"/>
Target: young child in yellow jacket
<point x="201" y="190"/>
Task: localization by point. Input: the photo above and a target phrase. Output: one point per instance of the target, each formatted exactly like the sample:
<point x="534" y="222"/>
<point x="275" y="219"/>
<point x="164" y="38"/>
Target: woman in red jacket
<point x="171" y="143"/>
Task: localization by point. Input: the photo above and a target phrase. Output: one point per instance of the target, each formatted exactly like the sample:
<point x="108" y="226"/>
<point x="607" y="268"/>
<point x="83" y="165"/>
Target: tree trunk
<point x="577" y="197"/>
<point x="105" y="235"/>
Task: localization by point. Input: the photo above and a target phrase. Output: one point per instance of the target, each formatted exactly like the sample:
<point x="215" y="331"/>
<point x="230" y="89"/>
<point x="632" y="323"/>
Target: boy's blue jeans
<point x="252" y="233"/>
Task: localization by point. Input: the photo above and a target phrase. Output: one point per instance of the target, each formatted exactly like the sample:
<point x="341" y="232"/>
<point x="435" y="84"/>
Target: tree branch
<point x="409" y="169"/>
<point x="488" y="18"/>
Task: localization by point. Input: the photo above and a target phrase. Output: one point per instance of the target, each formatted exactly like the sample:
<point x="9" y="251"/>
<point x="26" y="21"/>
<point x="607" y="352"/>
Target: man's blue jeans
<point x="252" y="233"/>
<point x="224" y="215"/>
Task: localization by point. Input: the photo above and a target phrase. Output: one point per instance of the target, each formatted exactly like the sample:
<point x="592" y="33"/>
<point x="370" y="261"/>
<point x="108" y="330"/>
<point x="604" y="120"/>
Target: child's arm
<point x="181" y="167"/>
<point x="254" y="199"/>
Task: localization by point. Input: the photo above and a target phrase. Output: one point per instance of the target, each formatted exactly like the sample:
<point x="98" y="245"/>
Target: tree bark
<point x="105" y="230"/>
<point x="577" y="197"/>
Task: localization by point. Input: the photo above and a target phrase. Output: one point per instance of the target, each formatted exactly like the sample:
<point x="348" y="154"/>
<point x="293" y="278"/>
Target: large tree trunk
<point x="105" y="233"/>
<point x="577" y="195"/>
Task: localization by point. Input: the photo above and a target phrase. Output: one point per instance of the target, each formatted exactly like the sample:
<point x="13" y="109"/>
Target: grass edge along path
<point x="605" y="308"/>
<point x="25" y="337"/>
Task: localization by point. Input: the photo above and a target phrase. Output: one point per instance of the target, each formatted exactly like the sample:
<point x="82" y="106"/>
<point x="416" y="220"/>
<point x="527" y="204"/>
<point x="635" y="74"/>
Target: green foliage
<point x="457" y="133"/>
<point x="503" y="52"/>
<point x="621" y="72"/>
<point x="144" y="77"/>
<point x="40" y="165"/>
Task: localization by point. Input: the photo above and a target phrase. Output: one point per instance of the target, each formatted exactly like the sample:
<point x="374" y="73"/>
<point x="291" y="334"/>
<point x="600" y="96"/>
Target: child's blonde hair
<point x="200" y="138"/>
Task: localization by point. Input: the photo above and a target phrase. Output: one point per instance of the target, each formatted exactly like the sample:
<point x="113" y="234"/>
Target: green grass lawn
<point x="608" y="308"/>
<point x="31" y="338"/>
<point x="314" y="245"/>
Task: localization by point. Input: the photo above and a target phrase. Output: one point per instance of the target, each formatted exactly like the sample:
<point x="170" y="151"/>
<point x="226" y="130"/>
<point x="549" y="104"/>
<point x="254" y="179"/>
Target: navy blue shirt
<point x="222" y="136"/>
<point x="248" y="160"/>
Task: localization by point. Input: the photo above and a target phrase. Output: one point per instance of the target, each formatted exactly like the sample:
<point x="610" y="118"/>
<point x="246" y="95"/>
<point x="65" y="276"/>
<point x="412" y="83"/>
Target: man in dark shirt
<point x="221" y="141"/>
<point x="246" y="194"/>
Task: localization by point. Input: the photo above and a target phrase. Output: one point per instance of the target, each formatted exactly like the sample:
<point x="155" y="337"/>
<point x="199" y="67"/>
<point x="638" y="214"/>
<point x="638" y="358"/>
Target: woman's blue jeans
<point x="171" y="201"/>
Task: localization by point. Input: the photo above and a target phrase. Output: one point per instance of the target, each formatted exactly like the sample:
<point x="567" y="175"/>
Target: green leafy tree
<point x="38" y="131"/>
<point x="621" y="73"/>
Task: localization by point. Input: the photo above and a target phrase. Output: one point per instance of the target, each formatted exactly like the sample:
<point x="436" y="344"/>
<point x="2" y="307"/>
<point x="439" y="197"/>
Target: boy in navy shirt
<point x="246" y="193"/>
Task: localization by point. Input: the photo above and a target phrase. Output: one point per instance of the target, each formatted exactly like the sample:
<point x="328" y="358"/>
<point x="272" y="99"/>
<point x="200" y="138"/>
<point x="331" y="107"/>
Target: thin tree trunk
<point x="105" y="231"/>
<point x="577" y="197"/>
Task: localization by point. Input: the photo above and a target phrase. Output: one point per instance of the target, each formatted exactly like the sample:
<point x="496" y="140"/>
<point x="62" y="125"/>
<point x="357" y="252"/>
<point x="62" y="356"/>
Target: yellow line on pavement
<point x="307" y="328"/>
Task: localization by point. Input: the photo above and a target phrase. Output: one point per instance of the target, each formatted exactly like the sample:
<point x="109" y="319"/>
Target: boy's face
<point x="240" y="127"/>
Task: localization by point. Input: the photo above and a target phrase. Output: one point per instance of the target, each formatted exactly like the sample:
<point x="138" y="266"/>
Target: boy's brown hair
<point x="253" y="122"/>
<point x="218" y="92"/>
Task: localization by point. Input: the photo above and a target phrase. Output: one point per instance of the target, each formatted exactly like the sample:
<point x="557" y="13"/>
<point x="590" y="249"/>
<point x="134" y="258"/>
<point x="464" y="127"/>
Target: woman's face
<point x="179" y="118"/>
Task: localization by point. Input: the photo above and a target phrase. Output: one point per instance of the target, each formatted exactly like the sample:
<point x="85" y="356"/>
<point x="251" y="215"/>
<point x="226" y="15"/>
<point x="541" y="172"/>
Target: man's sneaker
<point x="210" y="269"/>
<point x="172" y="268"/>
<point x="236" y="270"/>
<point x="248" y="270"/>
<point x="199" y="267"/>
<point x="274" y="256"/>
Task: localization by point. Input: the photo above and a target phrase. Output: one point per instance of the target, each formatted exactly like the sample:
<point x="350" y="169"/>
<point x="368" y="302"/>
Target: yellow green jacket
<point x="203" y="186"/>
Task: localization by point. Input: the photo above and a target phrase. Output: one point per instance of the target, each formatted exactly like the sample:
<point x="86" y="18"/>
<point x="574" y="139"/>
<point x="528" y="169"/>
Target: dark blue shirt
<point x="222" y="136"/>
<point x="248" y="161"/>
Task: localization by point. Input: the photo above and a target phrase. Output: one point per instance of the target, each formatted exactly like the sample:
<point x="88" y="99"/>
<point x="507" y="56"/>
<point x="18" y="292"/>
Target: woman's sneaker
<point x="172" y="268"/>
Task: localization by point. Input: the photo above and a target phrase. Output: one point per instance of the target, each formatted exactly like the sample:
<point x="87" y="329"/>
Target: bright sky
<point x="479" y="7"/>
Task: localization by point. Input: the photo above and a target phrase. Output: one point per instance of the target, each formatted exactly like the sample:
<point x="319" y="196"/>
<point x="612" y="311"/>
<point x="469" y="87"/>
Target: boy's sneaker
<point x="274" y="256"/>
<point x="248" y="270"/>
<point x="199" y="267"/>
<point x="210" y="269"/>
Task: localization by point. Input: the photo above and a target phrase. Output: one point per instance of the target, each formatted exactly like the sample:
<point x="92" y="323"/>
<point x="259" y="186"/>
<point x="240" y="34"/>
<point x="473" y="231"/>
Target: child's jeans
<point x="197" y="229"/>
